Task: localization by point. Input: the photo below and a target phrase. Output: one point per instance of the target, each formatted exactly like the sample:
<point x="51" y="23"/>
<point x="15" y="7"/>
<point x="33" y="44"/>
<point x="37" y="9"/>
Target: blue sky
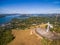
<point x="29" y="6"/>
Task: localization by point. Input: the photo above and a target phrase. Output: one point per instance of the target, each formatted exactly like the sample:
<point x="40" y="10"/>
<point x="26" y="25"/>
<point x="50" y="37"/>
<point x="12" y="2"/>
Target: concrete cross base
<point x="49" y="34"/>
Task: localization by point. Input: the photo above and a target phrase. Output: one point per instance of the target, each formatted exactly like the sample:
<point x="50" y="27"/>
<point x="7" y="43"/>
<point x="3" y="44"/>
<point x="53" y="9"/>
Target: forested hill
<point x="17" y="23"/>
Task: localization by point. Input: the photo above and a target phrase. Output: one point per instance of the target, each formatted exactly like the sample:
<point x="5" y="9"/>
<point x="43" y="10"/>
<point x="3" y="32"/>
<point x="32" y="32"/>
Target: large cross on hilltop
<point x="48" y="27"/>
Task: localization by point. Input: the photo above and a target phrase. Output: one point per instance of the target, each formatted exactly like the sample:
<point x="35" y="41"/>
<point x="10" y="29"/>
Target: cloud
<point x="29" y="10"/>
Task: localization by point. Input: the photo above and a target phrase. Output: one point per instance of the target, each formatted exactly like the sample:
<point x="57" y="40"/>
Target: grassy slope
<point x="23" y="37"/>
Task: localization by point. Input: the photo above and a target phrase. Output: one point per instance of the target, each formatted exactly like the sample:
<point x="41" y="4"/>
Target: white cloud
<point x="30" y="10"/>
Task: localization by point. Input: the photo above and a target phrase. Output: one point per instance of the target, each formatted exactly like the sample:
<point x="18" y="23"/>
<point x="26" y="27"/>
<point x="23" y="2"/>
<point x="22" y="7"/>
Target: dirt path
<point x="23" y="37"/>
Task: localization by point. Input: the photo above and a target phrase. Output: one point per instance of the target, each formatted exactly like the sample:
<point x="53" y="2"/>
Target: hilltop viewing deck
<point x="49" y="35"/>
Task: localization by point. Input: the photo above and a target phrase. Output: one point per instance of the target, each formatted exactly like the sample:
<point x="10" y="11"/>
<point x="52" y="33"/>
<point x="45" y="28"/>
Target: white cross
<point x="49" y="26"/>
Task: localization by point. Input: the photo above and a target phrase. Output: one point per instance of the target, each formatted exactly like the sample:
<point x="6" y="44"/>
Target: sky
<point x="29" y="6"/>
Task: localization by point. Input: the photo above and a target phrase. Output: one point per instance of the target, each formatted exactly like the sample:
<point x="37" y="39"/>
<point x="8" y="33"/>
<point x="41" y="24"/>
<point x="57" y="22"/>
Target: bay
<point x="8" y="18"/>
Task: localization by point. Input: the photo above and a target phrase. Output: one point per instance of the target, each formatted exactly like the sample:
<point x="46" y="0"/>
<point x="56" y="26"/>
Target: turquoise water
<point x="7" y="19"/>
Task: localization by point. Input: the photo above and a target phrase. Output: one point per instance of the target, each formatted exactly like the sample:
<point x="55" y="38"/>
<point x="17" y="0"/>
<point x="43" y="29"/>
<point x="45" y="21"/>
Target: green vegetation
<point x="5" y="36"/>
<point x="45" y="41"/>
<point x="5" y="31"/>
<point x="26" y="23"/>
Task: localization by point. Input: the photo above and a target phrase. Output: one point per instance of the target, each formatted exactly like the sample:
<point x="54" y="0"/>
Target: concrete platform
<point x="48" y="35"/>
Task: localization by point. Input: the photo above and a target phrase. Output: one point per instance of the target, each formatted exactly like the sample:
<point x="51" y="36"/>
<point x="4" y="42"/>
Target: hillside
<point x="23" y="37"/>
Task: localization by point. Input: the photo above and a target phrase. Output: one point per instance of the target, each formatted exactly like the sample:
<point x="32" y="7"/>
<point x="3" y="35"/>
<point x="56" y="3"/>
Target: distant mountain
<point x="29" y="15"/>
